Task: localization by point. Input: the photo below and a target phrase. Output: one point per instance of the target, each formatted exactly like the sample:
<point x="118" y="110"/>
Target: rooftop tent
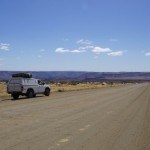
<point x="23" y="75"/>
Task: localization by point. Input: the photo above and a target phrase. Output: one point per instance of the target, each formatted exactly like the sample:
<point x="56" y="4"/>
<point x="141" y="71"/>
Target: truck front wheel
<point x="47" y="92"/>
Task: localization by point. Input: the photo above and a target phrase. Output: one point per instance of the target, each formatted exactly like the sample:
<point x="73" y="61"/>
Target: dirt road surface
<point x="116" y="118"/>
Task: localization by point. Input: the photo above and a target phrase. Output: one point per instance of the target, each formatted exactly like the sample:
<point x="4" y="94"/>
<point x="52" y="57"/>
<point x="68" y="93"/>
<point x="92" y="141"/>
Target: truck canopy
<point x="23" y="75"/>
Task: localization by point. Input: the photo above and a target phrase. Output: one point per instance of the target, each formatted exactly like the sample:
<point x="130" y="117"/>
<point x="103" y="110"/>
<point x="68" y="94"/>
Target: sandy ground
<point x="115" y="118"/>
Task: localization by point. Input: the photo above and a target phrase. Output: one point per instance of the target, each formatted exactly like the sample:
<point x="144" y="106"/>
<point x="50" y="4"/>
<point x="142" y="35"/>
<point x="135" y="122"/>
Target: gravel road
<point x="114" y="118"/>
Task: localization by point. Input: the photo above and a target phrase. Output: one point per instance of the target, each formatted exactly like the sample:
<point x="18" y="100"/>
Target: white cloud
<point x="4" y="46"/>
<point x="84" y="42"/>
<point x="77" y="51"/>
<point x="147" y="54"/>
<point x="86" y="47"/>
<point x="99" y="50"/>
<point x="62" y="50"/>
<point x="116" y="53"/>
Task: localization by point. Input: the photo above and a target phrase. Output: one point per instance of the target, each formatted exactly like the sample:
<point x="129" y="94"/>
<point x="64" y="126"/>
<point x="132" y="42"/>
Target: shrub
<point x="61" y="90"/>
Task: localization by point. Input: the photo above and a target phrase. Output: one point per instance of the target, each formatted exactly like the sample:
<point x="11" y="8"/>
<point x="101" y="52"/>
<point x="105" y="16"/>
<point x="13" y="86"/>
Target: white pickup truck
<point x="26" y="86"/>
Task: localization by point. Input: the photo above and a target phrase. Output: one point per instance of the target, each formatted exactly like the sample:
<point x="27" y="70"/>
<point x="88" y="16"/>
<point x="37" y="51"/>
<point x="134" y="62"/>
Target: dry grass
<point x="62" y="87"/>
<point x="3" y="89"/>
<point x="56" y="87"/>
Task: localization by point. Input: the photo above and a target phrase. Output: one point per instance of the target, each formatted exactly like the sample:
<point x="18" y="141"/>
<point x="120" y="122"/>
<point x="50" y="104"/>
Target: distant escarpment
<point x="66" y="76"/>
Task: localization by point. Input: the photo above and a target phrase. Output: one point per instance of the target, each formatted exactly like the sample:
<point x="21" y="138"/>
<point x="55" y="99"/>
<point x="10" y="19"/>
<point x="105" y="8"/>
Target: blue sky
<point x="75" y="35"/>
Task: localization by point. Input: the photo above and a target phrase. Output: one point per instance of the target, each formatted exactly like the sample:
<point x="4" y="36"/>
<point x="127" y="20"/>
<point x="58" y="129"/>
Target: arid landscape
<point x="67" y="86"/>
<point x="77" y="73"/>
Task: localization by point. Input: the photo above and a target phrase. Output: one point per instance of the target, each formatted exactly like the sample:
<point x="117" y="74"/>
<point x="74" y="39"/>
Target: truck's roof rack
<point x="23" y="75"/>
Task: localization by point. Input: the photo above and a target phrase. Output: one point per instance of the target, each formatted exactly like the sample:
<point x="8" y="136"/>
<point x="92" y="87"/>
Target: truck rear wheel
<point x="15" y="96"/>
<point x="30" y="93"/>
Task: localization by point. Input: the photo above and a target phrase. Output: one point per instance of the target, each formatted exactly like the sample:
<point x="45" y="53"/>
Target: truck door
<point x="41" y="88"/>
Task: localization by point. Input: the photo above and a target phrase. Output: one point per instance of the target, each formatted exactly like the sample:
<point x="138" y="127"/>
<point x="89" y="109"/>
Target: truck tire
<point x="30" y="93"/>
<point x="15" y="96"/>
<point x="47" y="92"/>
